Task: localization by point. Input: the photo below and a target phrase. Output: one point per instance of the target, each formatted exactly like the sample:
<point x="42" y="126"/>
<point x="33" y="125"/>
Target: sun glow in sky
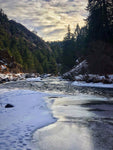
<point x="49" y="18"/>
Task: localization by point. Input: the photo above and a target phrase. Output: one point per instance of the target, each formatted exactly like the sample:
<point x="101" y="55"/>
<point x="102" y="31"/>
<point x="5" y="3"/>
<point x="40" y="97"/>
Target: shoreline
<point x="79" y="80"/>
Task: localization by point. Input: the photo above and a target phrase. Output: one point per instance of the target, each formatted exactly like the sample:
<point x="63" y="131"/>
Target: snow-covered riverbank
<point x="14" y="77"/>
<point x="97" y="85"/>
<point x="17" y="123"/>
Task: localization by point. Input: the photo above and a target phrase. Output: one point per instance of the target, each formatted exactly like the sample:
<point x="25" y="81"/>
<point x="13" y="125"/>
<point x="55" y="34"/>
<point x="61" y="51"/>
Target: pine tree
<point x="3" y="17"/>
<point x="77" y="31"/>
<point x="68" y="49"/>
<point x="68" y="34"/>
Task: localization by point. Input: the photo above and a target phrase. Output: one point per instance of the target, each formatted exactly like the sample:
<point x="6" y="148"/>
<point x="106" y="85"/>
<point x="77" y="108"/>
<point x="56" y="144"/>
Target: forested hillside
<point x="23" y="48"/>
<point x="93" y="42"/>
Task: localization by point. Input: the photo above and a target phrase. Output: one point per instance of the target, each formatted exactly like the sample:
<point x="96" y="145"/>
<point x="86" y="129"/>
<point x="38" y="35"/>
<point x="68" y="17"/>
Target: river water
<point x="84" y="116"/>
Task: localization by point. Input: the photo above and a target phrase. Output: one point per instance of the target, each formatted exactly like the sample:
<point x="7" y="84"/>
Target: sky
<point x="49" y="18"/>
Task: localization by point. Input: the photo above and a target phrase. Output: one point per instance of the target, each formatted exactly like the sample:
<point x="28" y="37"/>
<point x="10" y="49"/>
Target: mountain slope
<point x="27" y="49"/>
<point x="27" y="35"/>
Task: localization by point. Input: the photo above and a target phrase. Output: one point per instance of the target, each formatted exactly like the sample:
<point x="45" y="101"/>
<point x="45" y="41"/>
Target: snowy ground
<point x="38" y="79"/>
<point x="17" y="124"/>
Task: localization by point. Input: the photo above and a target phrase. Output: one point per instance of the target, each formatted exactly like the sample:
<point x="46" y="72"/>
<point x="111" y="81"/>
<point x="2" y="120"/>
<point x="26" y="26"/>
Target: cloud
<point x="48" y="17"/>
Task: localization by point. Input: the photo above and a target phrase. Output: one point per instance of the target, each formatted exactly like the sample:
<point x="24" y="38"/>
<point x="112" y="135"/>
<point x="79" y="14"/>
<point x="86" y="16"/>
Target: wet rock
<point x="0" y="80"/>
<point x="9" y="106"/>
<point x="5" y="80"/>
<point x="107" y="81"/>
<point x="31" y="75"/>
<point x="45" y="75"/>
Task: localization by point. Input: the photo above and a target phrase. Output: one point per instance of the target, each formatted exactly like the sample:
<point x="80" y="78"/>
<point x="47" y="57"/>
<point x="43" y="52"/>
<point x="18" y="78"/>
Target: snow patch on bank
<point x="98" y="85"/>
<point x="17" y="124"/>
<point x="81" y="67"/>
<point x="12" y="76"/>
<point x="34" y="79"/>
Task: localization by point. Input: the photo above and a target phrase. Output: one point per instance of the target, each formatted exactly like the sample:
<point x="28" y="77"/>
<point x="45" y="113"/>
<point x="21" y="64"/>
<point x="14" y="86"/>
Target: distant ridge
<point x="21" y="30"/>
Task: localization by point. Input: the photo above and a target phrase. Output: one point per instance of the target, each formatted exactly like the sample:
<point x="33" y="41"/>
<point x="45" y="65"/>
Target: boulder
<point x="9" y="106"/>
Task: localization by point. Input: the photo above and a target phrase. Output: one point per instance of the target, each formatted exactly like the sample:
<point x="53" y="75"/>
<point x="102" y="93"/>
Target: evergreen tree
<point x="68" y="49"/>
<point x="100" y="19"/>
<point x="100" y="36"/>
<point x="17" y="57"/>
<point x="3" y="17"/>
<point x="68" y="34"/>
<point x="77" y="31"/>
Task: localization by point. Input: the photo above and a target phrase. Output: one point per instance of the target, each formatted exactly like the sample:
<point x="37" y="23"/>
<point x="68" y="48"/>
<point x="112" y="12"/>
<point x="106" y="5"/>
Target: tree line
<point x="94" y="41"/>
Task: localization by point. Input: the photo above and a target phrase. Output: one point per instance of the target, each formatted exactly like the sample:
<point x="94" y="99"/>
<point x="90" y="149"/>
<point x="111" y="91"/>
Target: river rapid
<point x="84" y="115"/>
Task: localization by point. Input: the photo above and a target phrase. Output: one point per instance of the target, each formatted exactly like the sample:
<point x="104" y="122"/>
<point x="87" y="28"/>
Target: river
<point x="83" y="115"/>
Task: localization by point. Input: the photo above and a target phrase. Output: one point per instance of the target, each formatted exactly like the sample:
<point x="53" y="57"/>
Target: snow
<point x="77" y="61"/>
<point x="81" y="77"/>
<point x="3" y="67"/>
<point x="3" y="76"/>
<point x="34" y="79"/>
<point x="83" y="64"/>
<point x="12" y="76"/>
<point x="77" y="69"/>
<point x="1" y="61"/>
<point x="84" y="84"/>
<point x="45" y="75"/>
<point x="111" y="77"/>
<point x="17" y="124"/>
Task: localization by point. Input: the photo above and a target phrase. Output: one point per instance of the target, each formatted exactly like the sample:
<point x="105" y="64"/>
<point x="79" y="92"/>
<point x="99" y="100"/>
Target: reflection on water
<point x="84" y="122"/>
<point x="64" y="136"/>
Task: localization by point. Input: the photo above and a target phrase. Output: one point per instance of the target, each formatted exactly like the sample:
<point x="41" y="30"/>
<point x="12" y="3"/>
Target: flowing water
<point x="84" y="116"/>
